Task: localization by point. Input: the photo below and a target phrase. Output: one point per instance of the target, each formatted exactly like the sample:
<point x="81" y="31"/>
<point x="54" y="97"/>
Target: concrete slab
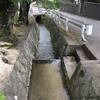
<point x="92" y="70"/>
<point x="94" y="48"/>
<point x="71" y="41"/>
<point x="85" y="84"/>
<point x="84" y="53"/>
<point x="70" y="66"/>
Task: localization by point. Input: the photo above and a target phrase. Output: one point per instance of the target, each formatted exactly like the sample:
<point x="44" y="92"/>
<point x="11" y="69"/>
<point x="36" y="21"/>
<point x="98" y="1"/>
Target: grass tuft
<point x="2" y="96"/>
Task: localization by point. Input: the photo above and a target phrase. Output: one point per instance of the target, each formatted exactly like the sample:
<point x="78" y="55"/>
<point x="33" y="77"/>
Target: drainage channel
<point x="45" y="47"/>
<point x="46" y="81"/>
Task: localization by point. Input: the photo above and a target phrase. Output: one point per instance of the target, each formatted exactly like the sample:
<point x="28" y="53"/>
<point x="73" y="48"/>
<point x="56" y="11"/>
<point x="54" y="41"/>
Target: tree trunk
<point x="7" y="9"/>
<point x="7" y="13"/>
<point x="27" y="10"/>
<point x="5" y="16"/>
<point x="24" y="9"/>
<point x="21" y="18"/>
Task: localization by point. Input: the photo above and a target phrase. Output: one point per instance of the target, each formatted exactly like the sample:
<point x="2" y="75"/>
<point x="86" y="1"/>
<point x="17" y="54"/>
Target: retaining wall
<point x="18" y="83"/>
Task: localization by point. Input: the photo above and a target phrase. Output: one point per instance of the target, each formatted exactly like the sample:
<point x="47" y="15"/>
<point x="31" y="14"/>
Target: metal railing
<point x="64" y="20"/>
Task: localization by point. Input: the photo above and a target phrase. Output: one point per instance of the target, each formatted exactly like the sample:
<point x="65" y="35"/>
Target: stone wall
<point x="85" y="84"/>
<point x="18" y="83"/>
<point x="91" y="10"/>
<point x="57" y="37"/>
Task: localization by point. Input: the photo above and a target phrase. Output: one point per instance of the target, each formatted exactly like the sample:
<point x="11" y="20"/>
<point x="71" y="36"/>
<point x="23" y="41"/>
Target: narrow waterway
<point x="46" y="80"/>
<point x="45" y="47"/>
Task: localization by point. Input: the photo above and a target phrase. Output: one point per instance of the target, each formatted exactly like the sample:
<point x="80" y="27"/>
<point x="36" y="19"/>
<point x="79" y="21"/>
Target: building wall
<point x="71" y="8"/>
<point x="89" y="9"/>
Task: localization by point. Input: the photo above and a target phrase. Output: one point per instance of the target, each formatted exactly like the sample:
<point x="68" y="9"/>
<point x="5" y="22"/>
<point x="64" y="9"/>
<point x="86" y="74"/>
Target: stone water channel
<point x="45" y="47"/>
<point x="46" y="80"/>
<point x="62" y="64"/>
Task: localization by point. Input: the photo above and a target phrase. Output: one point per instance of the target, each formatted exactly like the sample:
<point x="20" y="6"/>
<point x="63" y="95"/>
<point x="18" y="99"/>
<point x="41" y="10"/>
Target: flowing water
<point x="45" y="47"/>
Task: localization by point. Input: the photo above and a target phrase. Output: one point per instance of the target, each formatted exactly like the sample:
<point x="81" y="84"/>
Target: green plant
<point x="1" y="34"/>
<point x="16" y="17"/>
<point x="51" y="4"/>
<point x="2" y="96"/>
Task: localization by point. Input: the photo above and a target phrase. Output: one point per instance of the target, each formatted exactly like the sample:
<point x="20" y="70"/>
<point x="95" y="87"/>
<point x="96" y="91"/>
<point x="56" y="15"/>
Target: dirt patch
<point x="9" y="53"/>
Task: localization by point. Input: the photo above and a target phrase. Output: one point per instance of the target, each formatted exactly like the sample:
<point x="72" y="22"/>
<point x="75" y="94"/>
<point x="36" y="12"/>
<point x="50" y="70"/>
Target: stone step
<point x="84" y="53"/>
<point x="90" y="48"/>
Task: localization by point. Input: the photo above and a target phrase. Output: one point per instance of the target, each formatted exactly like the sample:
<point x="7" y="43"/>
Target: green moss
<point x="56" y="38"/>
